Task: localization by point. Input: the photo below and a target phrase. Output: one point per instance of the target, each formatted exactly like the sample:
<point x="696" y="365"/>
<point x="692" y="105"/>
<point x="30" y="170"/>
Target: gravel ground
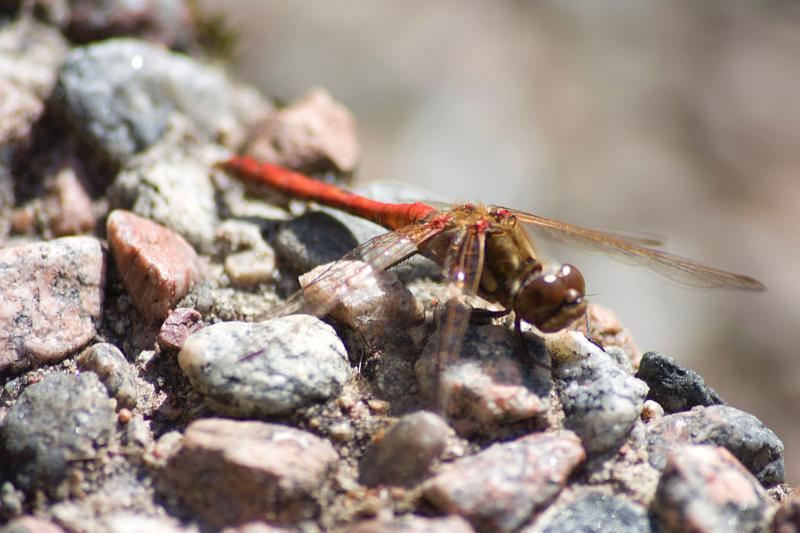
<point x="151" y="380"/>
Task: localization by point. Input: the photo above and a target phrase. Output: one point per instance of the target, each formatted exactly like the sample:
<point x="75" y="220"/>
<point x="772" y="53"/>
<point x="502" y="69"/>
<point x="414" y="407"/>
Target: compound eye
<point x="573" y="280"/>
<point x="547" y="291"/>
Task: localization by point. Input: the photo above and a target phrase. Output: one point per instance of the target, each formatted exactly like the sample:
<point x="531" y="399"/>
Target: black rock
<point x="674" y="387"/>
<point x="745" y="436"/>
<point x="58" y="422"/>
<point x="595" y="512"/>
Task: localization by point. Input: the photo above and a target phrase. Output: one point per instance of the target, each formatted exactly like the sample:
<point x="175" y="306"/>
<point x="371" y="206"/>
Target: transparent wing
<point x="463" y="267"/>
<point x="673" y="267"/>
<point x="357" y="268"/>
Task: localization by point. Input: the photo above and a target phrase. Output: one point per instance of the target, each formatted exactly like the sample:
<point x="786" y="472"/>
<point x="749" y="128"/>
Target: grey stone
<point x="51" y="296"/>
<point x="171" y="186"/>
<point x="114" y="371"/>
<point x="412" y="524"/>
<point x="593" y="512"/>
<point x="500" y="487"/>
<point x="704" y="488"/>
<point x="55" y="424"/>
<point x="674" y="387"/>
<point x="249" y="471"/>
<point x="405" y="453"/>
<point x="601" y="400"/>
<point x="120" y="94"/>
<point x="745" y="436"/>
<point x="269" y="368"/>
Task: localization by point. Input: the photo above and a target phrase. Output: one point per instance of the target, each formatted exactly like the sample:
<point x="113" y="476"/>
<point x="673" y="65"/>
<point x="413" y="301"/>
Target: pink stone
<point x="157" y="266"/>
<point x="51" y="295"/>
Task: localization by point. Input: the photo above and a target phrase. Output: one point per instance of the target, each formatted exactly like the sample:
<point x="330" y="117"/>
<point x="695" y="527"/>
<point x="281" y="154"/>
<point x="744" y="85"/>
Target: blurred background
<point x="681" y="118"/>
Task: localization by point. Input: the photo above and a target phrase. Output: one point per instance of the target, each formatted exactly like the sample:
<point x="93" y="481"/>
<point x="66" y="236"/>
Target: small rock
<point x="167" y="22"/>
<point x="487" y="383"/>
<point x="235" y="235"/>
<point x="269" y="368"/>
<point x="170" y="184"/>
<point x="72" y="206"/>
<point x="250" y="471"/>
<point x="51" y="295"/>
<point x="651" y="411"/>
<point x="120" y="95"/>
<point x="601" y="401"/>
<point x="250" y="267"/>
<point x="752" y="443"/>
<point x="674" y="387"/>
<point x="313" y="134"/>
<point x="256" y="527"/>
<point x="787" y="517"/>
<point x="593" y="512"/>
<point x="178" y="326"/>
<point x="500" y="487"/>
<point x="412" y="524"/>
<point x="55" y="424"/>
<point x="31" y="524"/>
<point x="312" y="240"/>
<point x="373" y="302"/>
<point x="606" y="330"/>
<point x="130" y="522"/>
<point x="405" y="454"/>
<point x="114" y="371"/>
<point x="31" y="54"/>
<point x="157" y="266"/>
<point x="704" y="488"/>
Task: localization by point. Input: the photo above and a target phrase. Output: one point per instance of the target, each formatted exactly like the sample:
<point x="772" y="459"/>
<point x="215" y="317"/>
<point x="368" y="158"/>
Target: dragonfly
<point x="483" y="250"/>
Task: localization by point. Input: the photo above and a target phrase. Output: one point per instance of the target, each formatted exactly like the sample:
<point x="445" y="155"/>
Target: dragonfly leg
<point x="523" y="348"/>
<point x="589" y="330"/>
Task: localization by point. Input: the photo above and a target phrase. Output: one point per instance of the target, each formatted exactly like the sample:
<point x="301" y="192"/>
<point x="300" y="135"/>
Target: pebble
<point x="406" y="452"/>
<point x="705" y="489"/>
<point x="372" y="302"/>
<point x="167" y="22"/>
<point x="170" y="184"/>
<point x="157" y="266"/>
<point x="412" y="524"/>
<point x="249" y="471"/>
<point x="178" y="326"/>
<point x="30" y="524"/>
<point x="131" y="522"/>
<point x="31" y="54"/>
<point x="51" y="296"/>
<point x="601" y="400"/>
<point x="674" y="387"/>
<point x="117" y="375"/>
<point x="312" y="134"/>
<point x="311" y="240"/>
<point x="787" y="517"/>
<point x="499" y="488"/>
<point x="593" y="512"/>
<point x="270" y="368"/>
<point x="250" y="267"/>
<point x="72" y="206"/>
<point x="119" y="95"/>
<point x="55" y="425"/>
<point x="487" y="383"/>
<point x="745" y="436"/>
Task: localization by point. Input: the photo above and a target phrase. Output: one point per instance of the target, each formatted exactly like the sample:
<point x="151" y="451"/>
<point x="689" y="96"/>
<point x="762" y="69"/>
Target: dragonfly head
<point x="551" y="301"/>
